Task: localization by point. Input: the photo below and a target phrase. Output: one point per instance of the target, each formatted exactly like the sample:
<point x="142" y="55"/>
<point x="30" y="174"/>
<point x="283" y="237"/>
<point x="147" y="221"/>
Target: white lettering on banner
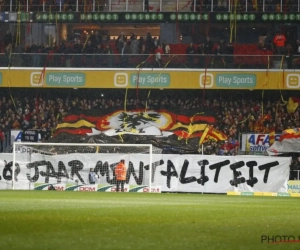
<point x="149" y="79"/>
<point x="235" y="80"/>
<point x="243" y="80"/>
<point x="172" y="173"/>
<point x="72" y="79"/>
<point x="64" y="79"/>
<point x="30" y="132"/>
<point x="54" y="78"/>
<point x="226" y="80"/>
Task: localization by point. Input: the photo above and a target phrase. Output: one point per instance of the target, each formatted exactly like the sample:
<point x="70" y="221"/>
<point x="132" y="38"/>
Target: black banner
<point x="35" y="135"/>
<point x="162" y="17"/>
<point x="30" y="135"/>
<point x="147" y="17"/>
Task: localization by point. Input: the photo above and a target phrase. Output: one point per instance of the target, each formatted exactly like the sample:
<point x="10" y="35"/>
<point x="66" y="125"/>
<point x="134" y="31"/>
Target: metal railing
<point x="152" y="6"/>
<point x="102" y="60"/>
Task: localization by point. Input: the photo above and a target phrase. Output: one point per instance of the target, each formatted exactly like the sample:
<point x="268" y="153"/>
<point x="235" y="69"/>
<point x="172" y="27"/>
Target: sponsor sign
<point x="145" y="189"/>
<point x="236" y="80"/>
<point x="150" y="80"/>
<point x="30" y="135"/>
<point x="143" y="17"/>
<point x="121" y="79"/>
<point x="294" y="187"/>
<point x="256" y="142"/>
<point x="206" y="80"/>
<point x="262" y="194"/>
<point x="16" y="135"/>
<point x="111" y="188"/>
<point x="168" y="78"/>
<point x="64" y="79"/>
<point x="47" y="186"/>
<point x="36" y="79"/>
<point x="293" y="81"/>
<point x="170" y="173"/>
<point x="81" y="188"/>
<point x="101" y="17"/>
<point x="55" y="17"/>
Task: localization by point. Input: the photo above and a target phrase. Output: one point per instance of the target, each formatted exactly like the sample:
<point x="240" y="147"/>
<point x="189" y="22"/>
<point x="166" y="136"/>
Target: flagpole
<point x="202" y="154"/>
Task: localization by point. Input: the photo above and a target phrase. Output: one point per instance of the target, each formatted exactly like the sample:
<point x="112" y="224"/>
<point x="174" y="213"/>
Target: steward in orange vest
<point x="120" y="173"/>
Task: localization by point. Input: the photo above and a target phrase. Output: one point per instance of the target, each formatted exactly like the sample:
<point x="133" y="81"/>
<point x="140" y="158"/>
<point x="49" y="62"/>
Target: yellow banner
<point x="294" y="187"/>
<point x="148" y="78"/>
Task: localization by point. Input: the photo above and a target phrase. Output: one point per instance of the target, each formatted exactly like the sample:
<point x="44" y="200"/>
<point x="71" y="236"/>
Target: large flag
<point x="291" y="133"/>
<point x="141" y="122"/>
<point x="205" y="134"/>
<point x="216" y="135"/>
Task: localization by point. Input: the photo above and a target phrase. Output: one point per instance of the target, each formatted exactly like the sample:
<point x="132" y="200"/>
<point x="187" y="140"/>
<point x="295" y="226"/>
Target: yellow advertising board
<point x="151" y="78"/>
<point x="294" y="187"/>
<point x="265" y="194"/>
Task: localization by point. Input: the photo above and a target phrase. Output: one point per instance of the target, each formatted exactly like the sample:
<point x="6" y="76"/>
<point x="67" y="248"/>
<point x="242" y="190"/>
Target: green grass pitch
<point x="93" y="220"/>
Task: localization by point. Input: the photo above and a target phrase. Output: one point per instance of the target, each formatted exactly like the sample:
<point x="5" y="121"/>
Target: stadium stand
<point x="249" y="56"/>
<point x="44" y="110"/>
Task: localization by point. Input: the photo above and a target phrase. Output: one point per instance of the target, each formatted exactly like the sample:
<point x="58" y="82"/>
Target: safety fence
<point x="218" y="61"/>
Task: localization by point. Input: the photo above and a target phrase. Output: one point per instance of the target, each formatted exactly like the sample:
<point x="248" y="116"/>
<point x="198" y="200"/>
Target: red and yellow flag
<point x="207" y="130"/>
<point x="272" y="136"/>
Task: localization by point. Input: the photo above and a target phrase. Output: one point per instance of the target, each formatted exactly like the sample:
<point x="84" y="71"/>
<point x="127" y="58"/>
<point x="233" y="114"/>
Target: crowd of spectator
<point x="128" y="50"/>
<point x="86" y="51"/>
<point x="234" y="116"/>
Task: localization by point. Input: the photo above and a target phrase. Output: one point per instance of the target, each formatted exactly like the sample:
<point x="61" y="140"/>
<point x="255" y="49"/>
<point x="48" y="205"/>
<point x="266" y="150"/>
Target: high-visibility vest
<point x="120" y="172"/>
